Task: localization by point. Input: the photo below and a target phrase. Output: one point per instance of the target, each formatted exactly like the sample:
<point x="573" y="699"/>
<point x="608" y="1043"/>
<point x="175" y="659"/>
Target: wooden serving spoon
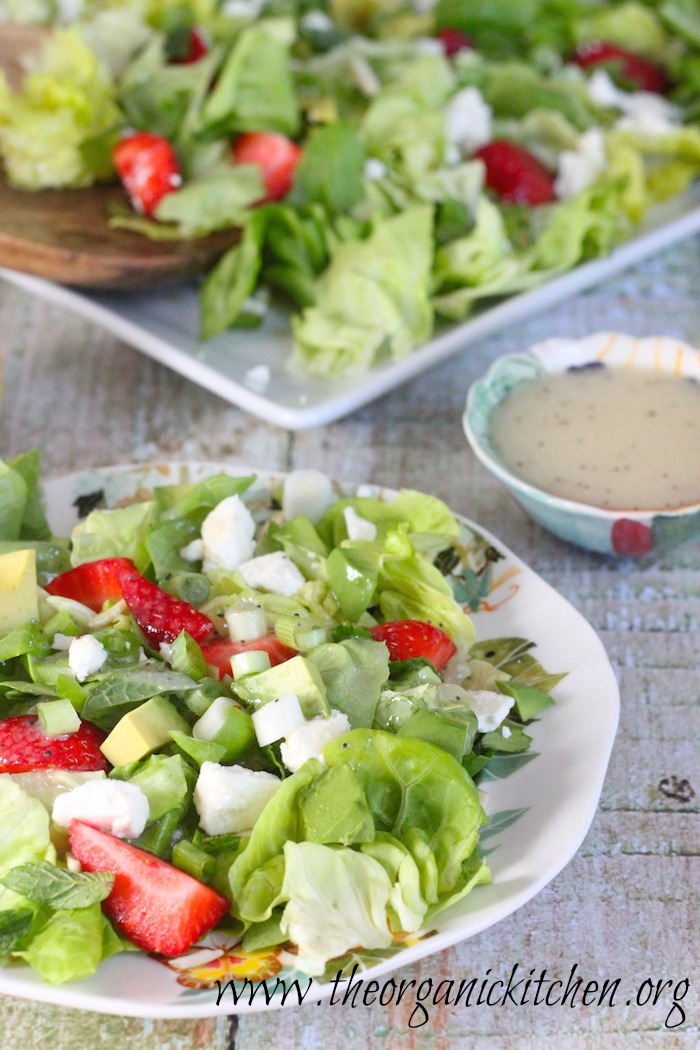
<point x="64" y="235"/>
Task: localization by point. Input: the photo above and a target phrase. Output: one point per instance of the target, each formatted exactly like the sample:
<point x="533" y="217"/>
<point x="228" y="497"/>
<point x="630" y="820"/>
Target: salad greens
<point x="369" y="824"/>
<point x="390" y="228"/>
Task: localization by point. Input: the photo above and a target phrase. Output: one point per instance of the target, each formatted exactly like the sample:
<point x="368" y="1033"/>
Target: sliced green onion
<point x="249" y="662"/>
<point x="192" y="860"/>
<point x="307" y="638"/>
<point x="58" y="717"/>
<point x="286" y="628"/>
<point x="193" y="587"/>
<point x="246" y="621"/>
<point x="206" y="727"/>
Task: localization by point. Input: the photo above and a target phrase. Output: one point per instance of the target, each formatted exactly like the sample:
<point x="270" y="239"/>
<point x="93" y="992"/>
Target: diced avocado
<point x="142" y="730"/>
<point x="297" y="675"/>
<point x="18" y="589"/>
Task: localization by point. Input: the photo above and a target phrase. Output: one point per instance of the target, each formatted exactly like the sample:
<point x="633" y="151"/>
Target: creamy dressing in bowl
<point x="616" y="438"/>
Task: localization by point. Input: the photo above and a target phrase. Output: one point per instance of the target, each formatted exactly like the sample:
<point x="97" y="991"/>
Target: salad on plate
<point x="392" y="166"/>
<point x="247" y="708"/>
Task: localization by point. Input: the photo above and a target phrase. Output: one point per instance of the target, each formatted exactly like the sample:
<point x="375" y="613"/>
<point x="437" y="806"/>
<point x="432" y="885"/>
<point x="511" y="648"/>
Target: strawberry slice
<point x="453" y="41"/>
<point x="411" y="639"/>
<point x="160" y="616"/>
<point x="148" y="169"/>
<point x="195" y="47"/>
<point x="93" y="583"/>
<point x="218" y="651"/>
<point x="160" y="908"/>
<point x="276" y="156"/>
<point x="628" y="67"/>
<point x="24" y="746"/>
<point x="514" y="174"/>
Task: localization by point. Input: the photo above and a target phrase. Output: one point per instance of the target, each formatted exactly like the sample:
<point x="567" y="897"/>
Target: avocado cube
<point x="18" y="589"/>
<point x="142" y="730"/>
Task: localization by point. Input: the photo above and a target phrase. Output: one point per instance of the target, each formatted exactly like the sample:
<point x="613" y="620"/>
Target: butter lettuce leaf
<point x="336" y="899"/>
<point x="373" y="299"/>
<point x="65" y="104"/>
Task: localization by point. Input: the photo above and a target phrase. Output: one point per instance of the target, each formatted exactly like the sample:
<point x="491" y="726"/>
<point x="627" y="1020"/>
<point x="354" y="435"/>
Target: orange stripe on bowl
<point x="607" y="348"/>
<point x="632" y="354"/>
<point x="678" y="365"/>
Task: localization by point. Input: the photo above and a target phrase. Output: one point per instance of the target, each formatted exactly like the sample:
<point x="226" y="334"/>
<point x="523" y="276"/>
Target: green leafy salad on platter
<point x="391" y="165"/>
<point x="249" y="707"/>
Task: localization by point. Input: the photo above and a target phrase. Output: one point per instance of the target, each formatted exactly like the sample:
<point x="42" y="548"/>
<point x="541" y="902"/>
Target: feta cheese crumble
<point x="359" y="528"/>
<point x="86" y="655"/>
<point x="114" y="806"/>
<point x="579" y="167"/>
<point x="308" y="493"/>
<point x="228" y="533"/>
<point x="229" y="799"/>
<point x="309" y="739"/>
<point x="490" y="708"/>
<point x="258" y="377"/>
<point x="468" y="120"/>
<point x="274" y="572"/>
<point x="643" y="111"/>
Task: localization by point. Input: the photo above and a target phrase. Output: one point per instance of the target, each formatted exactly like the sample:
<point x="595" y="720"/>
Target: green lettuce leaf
<point x="66" y="103"/>
<point x="413" y="784"/>
<point x="384" y="281"/>
<point x="121" y="533"/>
<point x="254" y="90"/>
<point x="336" y="899"/>
<point x="353" y="672"/>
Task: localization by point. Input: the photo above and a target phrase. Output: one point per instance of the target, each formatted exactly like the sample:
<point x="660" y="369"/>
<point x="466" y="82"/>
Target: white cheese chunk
<point x="359" y="528"/>
<point x="307" y="492"/>
<point x="640" y="108"/>
<point x="374" y="169"/>
<point x="490" y="708"/>
<point x="229" y="799"/>
<point x="194" y="551"/>
<point x="274" y="572"/>
<point x="228" y="533"/>
<point x="579" y="167"/>
<point x="258" y="378"/>
<point x="86" y="655"/>
<point x="277" y="719"/>
<point x="115" y="806"/>
<point x="468" y="120"/>
<point x="309" y="739"/>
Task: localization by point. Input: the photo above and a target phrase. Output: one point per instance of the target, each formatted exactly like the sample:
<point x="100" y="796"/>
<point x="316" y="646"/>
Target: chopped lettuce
<point x="374" y="294"/>
<point x="64" y="105"/>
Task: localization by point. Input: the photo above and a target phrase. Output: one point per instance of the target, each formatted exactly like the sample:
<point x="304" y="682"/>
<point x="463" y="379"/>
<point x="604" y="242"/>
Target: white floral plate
<point x="533" y="832"/>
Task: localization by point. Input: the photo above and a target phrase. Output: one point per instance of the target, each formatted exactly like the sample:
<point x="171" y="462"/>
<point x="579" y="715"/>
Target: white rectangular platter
<point x="164" y="325"/>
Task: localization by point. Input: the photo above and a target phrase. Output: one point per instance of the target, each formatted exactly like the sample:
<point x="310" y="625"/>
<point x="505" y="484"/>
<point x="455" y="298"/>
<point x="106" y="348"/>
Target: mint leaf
<point x="58" y="888"/>
<point x="120" y="692"/>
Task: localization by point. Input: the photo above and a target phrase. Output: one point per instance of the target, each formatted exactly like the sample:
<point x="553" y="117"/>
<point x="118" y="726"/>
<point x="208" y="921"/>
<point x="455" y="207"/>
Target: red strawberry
<point x="407" y="639"/>
<point x="631" y="539"/>
<point x="218" y="651"/>
<point x="453" y="41"/>
<point x="93" y="583"/>
<point x="632" y="69"/>
<point x="24" y="746"/>
<point x="514" y="174"/>
<point x="148" y="169"/>
<point x="160" y="908"/>
<point x="196" y="47"/>
<point x="276" y="156"/>
<point x="160" y="616"/>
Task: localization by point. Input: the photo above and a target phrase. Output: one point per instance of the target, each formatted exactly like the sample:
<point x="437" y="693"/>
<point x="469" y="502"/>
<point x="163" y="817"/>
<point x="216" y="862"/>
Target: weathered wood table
<point x="627" y="905"/>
